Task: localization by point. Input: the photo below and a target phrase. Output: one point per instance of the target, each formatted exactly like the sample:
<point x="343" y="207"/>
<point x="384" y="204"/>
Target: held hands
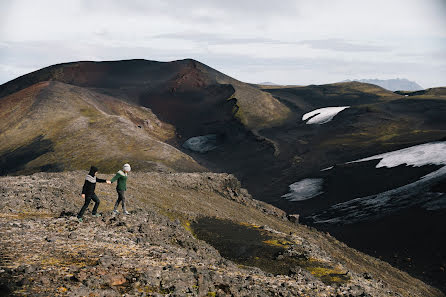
<point x="83" y="196"/>
<point x="108" y="182"/>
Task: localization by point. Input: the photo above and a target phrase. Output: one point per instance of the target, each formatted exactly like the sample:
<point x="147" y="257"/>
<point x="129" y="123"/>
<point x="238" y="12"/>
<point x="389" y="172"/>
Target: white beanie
<point x="126" y="167"/>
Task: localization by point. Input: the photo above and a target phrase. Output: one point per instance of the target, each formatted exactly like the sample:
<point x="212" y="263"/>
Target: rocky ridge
<point x="156" y="251"/>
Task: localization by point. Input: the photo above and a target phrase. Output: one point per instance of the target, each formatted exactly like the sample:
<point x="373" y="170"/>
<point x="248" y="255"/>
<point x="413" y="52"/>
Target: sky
<point x="286" y="42"/>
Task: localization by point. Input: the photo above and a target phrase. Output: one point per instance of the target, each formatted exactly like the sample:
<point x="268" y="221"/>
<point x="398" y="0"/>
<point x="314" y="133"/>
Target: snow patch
<point x="201" y="144"/>
<point x="375" y="206"/>
<point x="439" y="203"/>
<point x="322" y="115"/>
<point x="433" y="153"/>
<point x="414" y="194"/>
<point x="304" y="189"/>
<point x="328" y="168"/>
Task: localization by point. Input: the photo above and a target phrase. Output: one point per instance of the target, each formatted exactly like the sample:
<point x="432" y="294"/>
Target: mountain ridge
<point x="169" y="77"/>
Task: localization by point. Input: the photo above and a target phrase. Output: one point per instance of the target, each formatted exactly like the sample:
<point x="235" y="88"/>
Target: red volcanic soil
<point x="19" y="103"/>
<point x="188" y="78"/>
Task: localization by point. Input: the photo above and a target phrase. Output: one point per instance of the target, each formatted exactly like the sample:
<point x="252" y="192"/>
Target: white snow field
<point x="416" y="193"/>
<point x="304" y="189"/>
<point x="433" y="153"/>
<point x="322" y="115"/>
<point x="201" y="144"/>
<point x="375" y="206"/>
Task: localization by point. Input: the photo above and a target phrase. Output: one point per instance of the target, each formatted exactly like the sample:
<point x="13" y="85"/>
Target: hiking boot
<point x="115" y="212"/>
<point x="98" y="215"/>
<point x="80" y="220"/>
<point x="126" y="212"/>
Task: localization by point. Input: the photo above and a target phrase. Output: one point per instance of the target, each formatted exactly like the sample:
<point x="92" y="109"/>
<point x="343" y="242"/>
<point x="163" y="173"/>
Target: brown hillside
<point x="56" y="126"/>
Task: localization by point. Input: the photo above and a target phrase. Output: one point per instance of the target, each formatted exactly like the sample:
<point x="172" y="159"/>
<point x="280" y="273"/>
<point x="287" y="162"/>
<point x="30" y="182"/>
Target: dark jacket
<point x="90" y="182"/>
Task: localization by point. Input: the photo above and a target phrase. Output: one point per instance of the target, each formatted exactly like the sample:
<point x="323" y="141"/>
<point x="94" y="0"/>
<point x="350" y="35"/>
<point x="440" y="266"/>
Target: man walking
<point x="88" y="192"/>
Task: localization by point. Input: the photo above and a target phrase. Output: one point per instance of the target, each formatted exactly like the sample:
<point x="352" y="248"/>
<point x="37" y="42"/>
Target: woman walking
<point x="121" y="187"/>
<point x="88" y="192"/>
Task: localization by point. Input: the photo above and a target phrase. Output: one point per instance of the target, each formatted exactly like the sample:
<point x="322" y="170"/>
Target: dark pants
<point x="87" y="202"/>
<point x="121" y="198"/>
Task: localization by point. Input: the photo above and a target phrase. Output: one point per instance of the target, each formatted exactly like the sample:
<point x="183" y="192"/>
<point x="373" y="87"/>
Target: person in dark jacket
<point x="88" y="192"/>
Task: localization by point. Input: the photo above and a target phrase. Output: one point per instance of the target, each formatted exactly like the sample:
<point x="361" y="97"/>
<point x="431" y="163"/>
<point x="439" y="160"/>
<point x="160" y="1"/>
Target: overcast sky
<point x="283" y="41"/>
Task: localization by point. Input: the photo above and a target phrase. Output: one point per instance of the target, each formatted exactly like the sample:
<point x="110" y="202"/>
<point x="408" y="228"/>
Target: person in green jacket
<point x="121" y="187"/>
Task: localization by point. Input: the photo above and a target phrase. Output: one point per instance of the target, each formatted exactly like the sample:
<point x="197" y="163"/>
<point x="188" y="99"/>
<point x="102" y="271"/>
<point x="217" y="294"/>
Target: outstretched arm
<point x="100" y="180"/>
<point x="115" y="177"/>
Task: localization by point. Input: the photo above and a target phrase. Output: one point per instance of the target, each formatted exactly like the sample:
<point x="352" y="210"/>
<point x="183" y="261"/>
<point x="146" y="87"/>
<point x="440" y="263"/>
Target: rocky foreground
<point x="172" y="244"/>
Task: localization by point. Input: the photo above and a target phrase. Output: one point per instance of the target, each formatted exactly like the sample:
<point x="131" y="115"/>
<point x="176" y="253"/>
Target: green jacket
<point x="121" y="177"/>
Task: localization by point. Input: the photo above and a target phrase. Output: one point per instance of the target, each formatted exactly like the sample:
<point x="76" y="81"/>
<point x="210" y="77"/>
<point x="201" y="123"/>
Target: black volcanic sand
<point x="306" y="149"/>
<point x="248" y="245"/>
<point x="413" y="240"/>
<point x="415" y="233"/>
<point x="345" y="182"/>
<point x="361" y="131"/>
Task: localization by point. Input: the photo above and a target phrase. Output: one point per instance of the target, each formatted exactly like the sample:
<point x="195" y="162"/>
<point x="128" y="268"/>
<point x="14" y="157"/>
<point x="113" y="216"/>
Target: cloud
<point x="208" y="9"/>
<point x="326" y="44"/>
<point x="23" y="57"/>
<point x="290" y="41"/>
<point x="210" y="38"/>
<point x="343" y="45"/>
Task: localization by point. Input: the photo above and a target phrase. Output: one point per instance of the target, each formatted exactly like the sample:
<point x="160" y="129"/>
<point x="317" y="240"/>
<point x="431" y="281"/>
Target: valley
<point x="323" y="142"/>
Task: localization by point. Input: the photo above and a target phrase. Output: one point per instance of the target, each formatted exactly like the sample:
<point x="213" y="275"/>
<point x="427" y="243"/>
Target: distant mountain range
<point x="267" y="83"/>
<point x="396" y="84"/>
